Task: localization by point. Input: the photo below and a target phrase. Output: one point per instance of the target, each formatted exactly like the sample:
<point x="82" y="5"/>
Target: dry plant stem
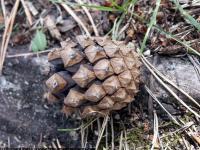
<point x="186" y="144"/>
<point x="7" y="34"/>
<point x="27" y="54"/>
<point x="155" y="98"/>
<point x="193" y="136"/>
<point x="195" y="64"/>
<point x="90" y="18"/>
<point x="120" y="142"/>
<point x="54" y="145"/>
<point x="4" y="10"/>
<point x="155" y="135"/>
<point x="181" y="129"/>
<point x="86" y="136"/>
<point x="76" y="18"/>
<point x="105" y="121"/>
<point x="170" y="82"/>
<point x="82" y="136"/>
<point x="106" y="135"/>
<point x="125" y="140"/>
<point x="113" y="134"/>
<point x="58" y="143"/>
<point x="27" y="12"/>
<point x="169" y="89"/>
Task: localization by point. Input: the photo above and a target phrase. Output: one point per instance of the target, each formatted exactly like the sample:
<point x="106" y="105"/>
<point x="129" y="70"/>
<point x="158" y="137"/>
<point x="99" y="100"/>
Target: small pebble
<point x="147" y="53"/>
<point x="74" y="135"/>
<point x="117" y="117"/>
<point x="25" y="82"/>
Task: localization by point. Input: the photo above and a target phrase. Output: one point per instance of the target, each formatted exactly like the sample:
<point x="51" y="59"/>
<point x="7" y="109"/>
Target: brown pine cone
<point x="97" y="76"/>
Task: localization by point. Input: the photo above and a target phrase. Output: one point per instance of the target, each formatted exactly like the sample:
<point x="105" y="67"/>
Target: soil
<point x="26" y="120"/>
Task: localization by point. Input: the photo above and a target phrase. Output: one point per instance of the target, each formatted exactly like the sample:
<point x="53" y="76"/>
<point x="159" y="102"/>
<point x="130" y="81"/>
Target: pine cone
<point x="95" y="76"/>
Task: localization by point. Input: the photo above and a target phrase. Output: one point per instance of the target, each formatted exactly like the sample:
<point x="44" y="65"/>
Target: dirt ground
<point x="25" y="119"/>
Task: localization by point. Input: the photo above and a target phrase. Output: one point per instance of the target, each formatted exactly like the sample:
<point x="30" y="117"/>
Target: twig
<point x="76" y="18"/>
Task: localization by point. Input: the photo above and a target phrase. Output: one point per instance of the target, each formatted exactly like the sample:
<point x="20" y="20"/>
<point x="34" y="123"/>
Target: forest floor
<point x="166" y="34"/>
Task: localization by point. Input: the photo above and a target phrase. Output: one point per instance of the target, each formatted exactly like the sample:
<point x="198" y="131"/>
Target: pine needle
<point x="171" y="83"/>
<point x="7" y="33"/>
<point x="102" y="131"/>
<point x="156" y="99"/>
<point x="76" y="18"/>
<point x="90" y="18"/>
<point x="184" y="43"/>
<point x="155" y="135"/>
<point x="169" y="89"/>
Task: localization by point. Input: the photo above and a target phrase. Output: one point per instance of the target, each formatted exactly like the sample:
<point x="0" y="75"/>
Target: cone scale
<point x="100" y="76"/>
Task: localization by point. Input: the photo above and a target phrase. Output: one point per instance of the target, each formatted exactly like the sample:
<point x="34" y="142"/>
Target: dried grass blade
<point x="27" y="12"/>
<point x="155" y="135"/>
<point x="155" y="98"/>
<point x="90" y="18"/>
<point x="7" y="34"/>
<point x="105" y="121"/>
<point x="4" y="10"/>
